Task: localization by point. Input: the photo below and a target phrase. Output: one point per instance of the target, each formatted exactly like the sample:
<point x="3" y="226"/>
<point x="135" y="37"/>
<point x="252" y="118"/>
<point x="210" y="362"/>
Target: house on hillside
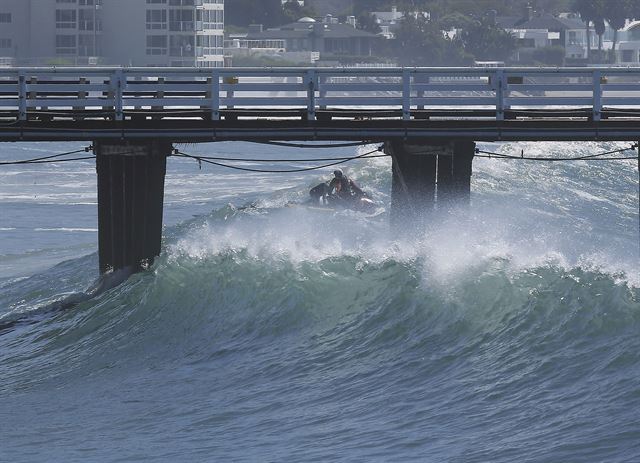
<point x="389" y="21"/>
<point x="628" y="49"/>
<point x="329" y="39"/>
<point x="544" y="31"/>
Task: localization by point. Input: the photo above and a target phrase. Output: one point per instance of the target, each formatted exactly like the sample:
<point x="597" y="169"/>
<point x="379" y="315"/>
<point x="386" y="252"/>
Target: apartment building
<point x="112" y="32"/>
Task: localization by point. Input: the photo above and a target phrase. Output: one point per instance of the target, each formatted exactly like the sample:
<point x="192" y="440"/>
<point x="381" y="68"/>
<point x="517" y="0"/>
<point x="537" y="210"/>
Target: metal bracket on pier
<point x="311" y="83"/>
<point x="117" y="87"/>
<point x="22" y="96"/>
<point x="500" y="92"/>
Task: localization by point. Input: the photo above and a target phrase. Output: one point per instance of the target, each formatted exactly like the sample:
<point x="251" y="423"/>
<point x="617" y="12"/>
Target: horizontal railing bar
<point x="627" y="101"/>
<point x="548" y="101"/>
<point x="66" y="88"/>
<point x="621" y="87"/>
<point x="267" y="101"/>
<point x="368" y="87"/>
<point x="550" y="87"/>
<point x="452" y="87"/>
<point x="460" y="102"/>
<point x="265" y="87"/>
<point x="360" y="101"/>
<point x="57" y="102"/>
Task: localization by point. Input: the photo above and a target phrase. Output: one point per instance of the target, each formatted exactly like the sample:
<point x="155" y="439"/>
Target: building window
<point x="181" y="45"/>
<point x="156" y="45"/>
<point x="66" y="19"/>
<point x="86" y="20"/>
<point x="211" y="19"/>
<point x="156" y="19"/>
<point x="87" y="46"/>
<point x="153" y="2"/>
<point x="66" y="44"/>
<point x="5" y="43"/>
<point x="210" y="44"/>
<point x="182" y="21"/>
<point x="5" y="18"/>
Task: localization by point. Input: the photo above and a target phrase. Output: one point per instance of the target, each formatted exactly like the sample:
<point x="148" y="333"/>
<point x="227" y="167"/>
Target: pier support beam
<point x="454" y="174"/>
<point x="413" y="185"/>
<point x="428" y="175"/>
<point x="130" y="202"/>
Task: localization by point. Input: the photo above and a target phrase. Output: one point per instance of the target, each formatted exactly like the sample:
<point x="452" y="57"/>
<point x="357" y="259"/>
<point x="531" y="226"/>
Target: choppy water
<point x="507" y="333"/>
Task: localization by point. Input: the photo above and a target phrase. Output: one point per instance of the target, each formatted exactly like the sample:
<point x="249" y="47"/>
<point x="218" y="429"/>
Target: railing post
<point x="420" y="79"/>
<point x="406" y="95"/>
<point x="117" y="86"/>
<point x="215" y="96"/>
<point x="159" y="95"/>
<point x="500" y="92"/>
<point x="323" y="93"/>
<point x="22" y="96"/>
<point x="597" y="94"/>
<point x="311" y="94"/>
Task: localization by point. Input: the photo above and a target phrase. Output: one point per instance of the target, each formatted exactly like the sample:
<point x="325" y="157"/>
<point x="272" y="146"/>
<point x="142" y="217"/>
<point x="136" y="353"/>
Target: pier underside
<point x="255" y="125"/>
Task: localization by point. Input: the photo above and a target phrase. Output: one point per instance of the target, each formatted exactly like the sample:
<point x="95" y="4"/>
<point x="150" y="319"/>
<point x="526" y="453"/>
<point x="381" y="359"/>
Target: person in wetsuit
<point x="343" y="187"/>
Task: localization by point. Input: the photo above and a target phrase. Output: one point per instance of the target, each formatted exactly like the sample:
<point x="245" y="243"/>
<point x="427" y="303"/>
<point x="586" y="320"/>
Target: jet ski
<point x="321" y="196"/>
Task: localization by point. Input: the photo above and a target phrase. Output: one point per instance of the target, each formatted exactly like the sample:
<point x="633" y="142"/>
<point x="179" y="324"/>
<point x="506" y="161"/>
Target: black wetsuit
<point x="345" y="188"/>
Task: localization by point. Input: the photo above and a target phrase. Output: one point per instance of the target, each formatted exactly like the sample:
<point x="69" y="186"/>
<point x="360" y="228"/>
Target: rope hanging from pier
<point x="219" y="160"/>
<point x="52" y="158"/>
<point x="317" y="146"/>
<point x="590" y="157"/>
<point x="213" y="160"/>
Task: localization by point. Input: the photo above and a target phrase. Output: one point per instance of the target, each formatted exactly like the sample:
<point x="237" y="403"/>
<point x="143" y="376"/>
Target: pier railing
<point x="402" y="93"/>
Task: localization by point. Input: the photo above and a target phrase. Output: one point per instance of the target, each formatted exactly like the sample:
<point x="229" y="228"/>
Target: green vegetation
<point x="421" y="42"/>
<point x="270" y="13"/>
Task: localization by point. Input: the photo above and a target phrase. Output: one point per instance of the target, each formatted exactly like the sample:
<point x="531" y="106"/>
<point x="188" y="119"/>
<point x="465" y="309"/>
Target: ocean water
<point x="507" y="332"/>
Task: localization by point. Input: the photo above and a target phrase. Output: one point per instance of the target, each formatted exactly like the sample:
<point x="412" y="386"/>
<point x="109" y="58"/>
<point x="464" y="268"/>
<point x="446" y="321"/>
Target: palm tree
<point x="617" y="18"/>
<point x="599" y="28"/>
<point x="588" y="13"/>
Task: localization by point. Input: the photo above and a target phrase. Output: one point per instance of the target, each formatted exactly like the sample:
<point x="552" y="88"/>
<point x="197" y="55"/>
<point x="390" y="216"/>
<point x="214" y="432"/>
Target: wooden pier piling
<point x="130" y="202"/>
<point x="428" y="175"/>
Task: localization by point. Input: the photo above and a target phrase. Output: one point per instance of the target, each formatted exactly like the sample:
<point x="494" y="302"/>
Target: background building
<point x="118" y="32"/>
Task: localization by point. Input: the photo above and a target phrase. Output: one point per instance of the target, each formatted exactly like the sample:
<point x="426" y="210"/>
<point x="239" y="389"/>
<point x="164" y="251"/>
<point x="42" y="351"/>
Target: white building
<point x="112" y="32"/>
<point x="628" y="46"/>
<point x="389" y="21"/>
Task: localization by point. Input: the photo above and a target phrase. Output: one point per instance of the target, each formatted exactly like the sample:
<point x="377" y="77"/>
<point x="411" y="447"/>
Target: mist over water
<point x="507" y="332"/>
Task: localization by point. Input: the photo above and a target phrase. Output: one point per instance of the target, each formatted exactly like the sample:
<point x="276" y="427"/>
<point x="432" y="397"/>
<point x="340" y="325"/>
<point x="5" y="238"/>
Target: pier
<point x="428" y="118"/>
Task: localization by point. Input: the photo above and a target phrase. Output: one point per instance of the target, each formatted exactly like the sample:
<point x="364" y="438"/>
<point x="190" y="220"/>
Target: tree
<point x="419" y="42"/>
<point x="599" y="28"/>
<point x="455" y="21"/>
<point x="361" y="7"/>
<point x="617" y="17"/>
<point x="369" y="23"/>
<point x="591" y="11"/>
<point x="293" y="11"/>
<point x="244" y="12"/>
<point x="488" y="42"/>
